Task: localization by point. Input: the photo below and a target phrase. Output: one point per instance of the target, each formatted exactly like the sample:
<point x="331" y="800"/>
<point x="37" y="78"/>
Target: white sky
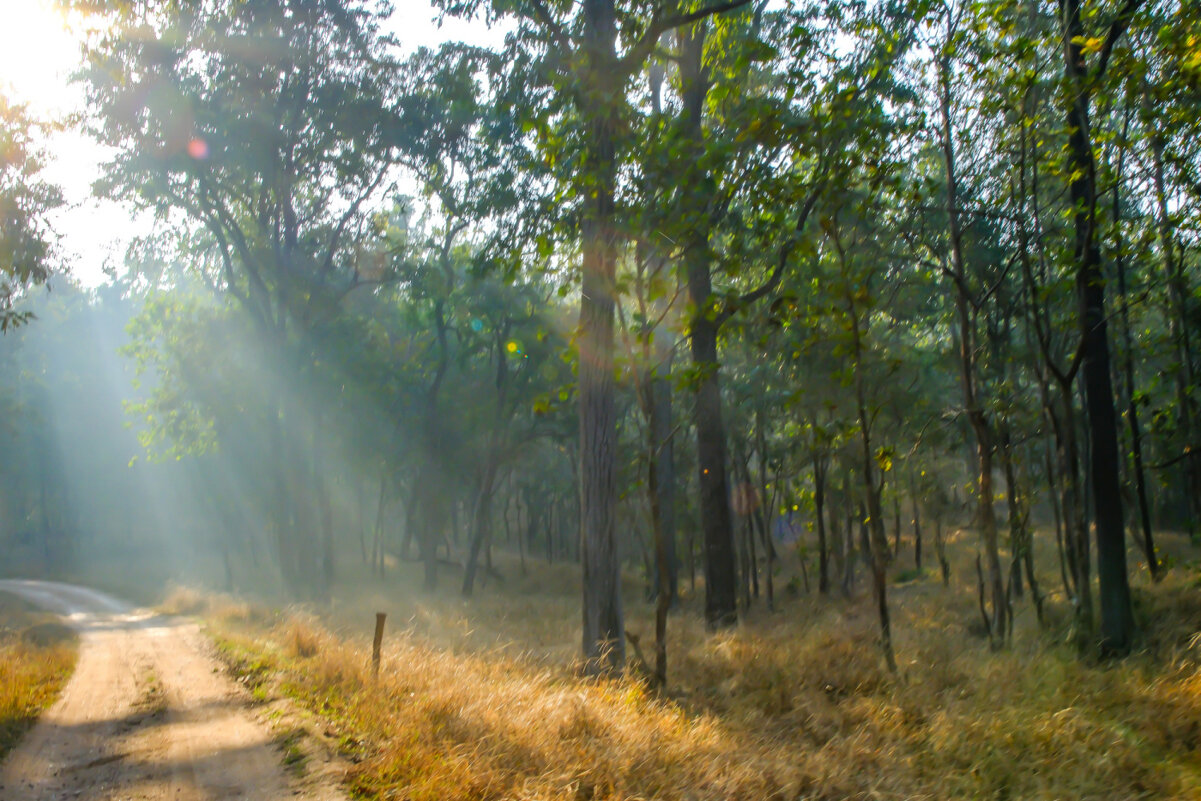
<point x="37" y="56"/>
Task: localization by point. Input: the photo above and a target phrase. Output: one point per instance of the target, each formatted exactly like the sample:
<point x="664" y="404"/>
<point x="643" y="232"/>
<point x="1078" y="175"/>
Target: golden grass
<point x="36" y="658"/>
<point x="179" y="599"/>
<point x="481" y="699"/>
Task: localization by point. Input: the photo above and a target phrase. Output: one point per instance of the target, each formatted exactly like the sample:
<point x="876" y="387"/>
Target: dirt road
<point x="147" y="716"/>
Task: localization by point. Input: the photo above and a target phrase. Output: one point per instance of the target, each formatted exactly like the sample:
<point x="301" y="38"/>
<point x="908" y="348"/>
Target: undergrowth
<point x="481" y="700"/>
<point x="37" y="656"/>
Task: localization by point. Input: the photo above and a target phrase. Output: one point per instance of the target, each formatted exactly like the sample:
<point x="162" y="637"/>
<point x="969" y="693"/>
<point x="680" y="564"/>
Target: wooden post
<point x="375" y="645"/>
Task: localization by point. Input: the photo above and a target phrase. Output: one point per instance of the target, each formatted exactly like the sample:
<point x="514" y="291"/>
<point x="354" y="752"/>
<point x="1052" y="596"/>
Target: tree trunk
<point x="819" y="504"/>
<point x="481" y="525"/>
<point x="917" y="524"/>
<point x="940" y="550"/>
<point x="896" y="525"/>
<point x="721" y="582"/>
<point x="1132" y="419"/>
<point x="603" y="625"/>
<point x="1075" y="525"/>
<point x="877" y="545"/>
<point x="1117" y="620"/>
<point x="319" y="483"/>
<point x="744" y="559"/>
<point x="664" y="469"/>
<point x="762" y="513"/>
<point x="1053" y="486"/>
<point x="1178" y="329"/>
<point x="849" y="555"/>
<point x="1017" y="525"/>
<point x="377" y="543"/>
<point x="985" y="515"/>
<point x="664" y="556"/>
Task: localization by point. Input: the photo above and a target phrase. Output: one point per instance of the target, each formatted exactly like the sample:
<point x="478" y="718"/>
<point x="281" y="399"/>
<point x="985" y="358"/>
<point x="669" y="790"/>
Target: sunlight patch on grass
<point x="37" y="655"/>
<point x="472" y="702"/>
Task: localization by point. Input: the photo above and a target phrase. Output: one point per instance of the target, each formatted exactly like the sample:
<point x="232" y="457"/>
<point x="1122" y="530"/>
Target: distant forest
<point x="670" y="288"/>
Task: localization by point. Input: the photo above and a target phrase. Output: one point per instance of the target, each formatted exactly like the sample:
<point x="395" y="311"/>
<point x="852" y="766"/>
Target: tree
<point x="269" y="127"/>
<point x="578" y="54"/>
<point x="966" y="306"/>
<point x="1081" y="80"/>
<point x="26" y="239"/>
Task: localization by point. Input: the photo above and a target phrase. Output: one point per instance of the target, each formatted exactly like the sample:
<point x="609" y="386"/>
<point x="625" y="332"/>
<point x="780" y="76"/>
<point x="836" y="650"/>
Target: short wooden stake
<point x="379" y="640"/>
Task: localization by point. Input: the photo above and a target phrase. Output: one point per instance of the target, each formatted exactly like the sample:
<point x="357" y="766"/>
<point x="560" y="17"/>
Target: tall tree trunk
<point x="430" y="487"/>
<point x="481" y="524"/>
<point x="664" y="556"/>
<point x="849" y="556"/>
<point x="762" y="512"/>
<point x="1017" y="523"/>
<point x="1132" y="418"/>
<point x="819" y="504"/>
<point x="603" y="619"/>
<point x="745" y="568"/>
<point x="377" y="543"/>
<point x="658" y="349"/>
<point x="325" y="508"/>
<point x="1053" y="486"/>
<point x="985" y="515"/>
<point x="743" y="474"/>
<point x="837" y="545"/>
<point x="1178" y="328"/>
<point x="523" y="537"/>
<point x="434" y="515"/>
<point x="721" y="582"/>
<point x="896" y="525"/>
<point x="1117" y="620"/>
<point x="361" y="517"/>
<point x="664" y="468"/>
<point x="280" y="515"/>
<point x="877" y="544"/>
<point x="940" y="550"/>
<point x="917" y="524"/>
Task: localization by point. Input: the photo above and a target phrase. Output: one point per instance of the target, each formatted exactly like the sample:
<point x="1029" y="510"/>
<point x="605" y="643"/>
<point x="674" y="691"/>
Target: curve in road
<point x="148" y="715"/>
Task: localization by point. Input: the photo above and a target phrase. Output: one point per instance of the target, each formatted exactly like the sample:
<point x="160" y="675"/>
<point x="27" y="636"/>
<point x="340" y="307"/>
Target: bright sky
<point x="37" y="56"/>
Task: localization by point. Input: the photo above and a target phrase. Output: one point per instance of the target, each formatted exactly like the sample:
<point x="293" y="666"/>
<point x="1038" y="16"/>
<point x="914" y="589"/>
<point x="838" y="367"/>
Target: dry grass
<point x="480" y="699"/>
<point x="37" y="655"/>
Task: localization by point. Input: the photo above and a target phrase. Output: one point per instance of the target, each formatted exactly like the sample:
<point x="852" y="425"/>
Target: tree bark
<point x="1132" y="418"/>
<point x="1117" y="620"/>
<point x="603" y="618"/>
<point x="721" y="583"/>
<point x="819" y="504"/>
<point x="917" y="524"/>
<point x="876" y="546"/>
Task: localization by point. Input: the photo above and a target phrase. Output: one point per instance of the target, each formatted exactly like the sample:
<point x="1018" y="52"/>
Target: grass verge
<point x="789" y="705"/>
<point x="37" y="655"/>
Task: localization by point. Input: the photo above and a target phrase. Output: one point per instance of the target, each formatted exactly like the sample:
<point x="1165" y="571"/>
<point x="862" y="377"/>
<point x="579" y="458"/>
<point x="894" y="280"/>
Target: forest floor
<point x="482" y="698"/>
<point x="147" y="714"/>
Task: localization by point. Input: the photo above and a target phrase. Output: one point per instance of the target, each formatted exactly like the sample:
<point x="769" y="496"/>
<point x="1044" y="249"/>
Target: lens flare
<point x="198" y="149"/>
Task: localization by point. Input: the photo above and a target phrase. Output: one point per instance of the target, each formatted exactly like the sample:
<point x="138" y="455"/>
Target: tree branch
<point x="543" y="15"/>
<point x="777" y="273"/>
<point x="336" y="236"/>
<point x="1116" y="28"/>
<point x="637" y="54"/>
<point x="1188" y="452"/>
